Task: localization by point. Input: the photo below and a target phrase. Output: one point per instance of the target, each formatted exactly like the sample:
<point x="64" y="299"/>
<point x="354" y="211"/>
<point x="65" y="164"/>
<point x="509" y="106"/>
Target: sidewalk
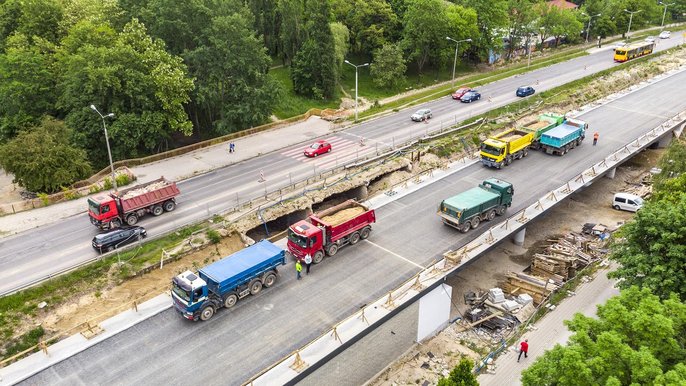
<point x="550" y="330"/>
<point x="180" y="168"/>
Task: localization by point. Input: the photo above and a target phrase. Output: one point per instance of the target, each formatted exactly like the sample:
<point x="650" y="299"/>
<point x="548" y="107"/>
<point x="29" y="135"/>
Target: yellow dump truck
<point x="501" y="149"/>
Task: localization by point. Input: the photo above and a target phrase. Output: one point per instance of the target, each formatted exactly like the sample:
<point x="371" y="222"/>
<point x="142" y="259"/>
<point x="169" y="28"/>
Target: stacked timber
<point x="539" y="288"/>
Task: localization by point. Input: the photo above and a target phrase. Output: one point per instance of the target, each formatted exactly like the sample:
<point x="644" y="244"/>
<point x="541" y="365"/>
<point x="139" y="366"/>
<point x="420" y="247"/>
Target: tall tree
<point x="291" y="29"/>
<point x="372" y="23"/>
<point x="314" y="70"/>
<point x="388" y="68"/>
<point x="492" y="19"/>
<point x="266" y="23"/>
<point x="637" y="339"/>
<point x="522" y="16"/>
<point x="42" y="159"/>
<point x="341" y="38"/>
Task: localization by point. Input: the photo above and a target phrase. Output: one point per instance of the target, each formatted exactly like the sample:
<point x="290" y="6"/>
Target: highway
<point x="236" y="344"/>
<point x="35" y="254"/>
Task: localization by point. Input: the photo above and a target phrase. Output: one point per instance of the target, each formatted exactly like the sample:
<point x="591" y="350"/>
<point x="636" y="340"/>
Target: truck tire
<point x="491" y="215"/>
<point x="207" y="313"/>
<point x="354" y="238"/>
<point x="333" y="248"/>
<point x="157" y="210"/>
<point x="508" y="160"/>
<point x="131" y="219"/>
<point x="525" y="152"/>
<point x="364" y="233"/>
<point x="501" y="210"/>
<point x="318" y="257"/>
<point x="464" y="228"/>
<point x="269" y="280"/>
<point x="255" y="287"/>
<point x="475" y="221"/>
<point x="230" y="300"/>
<point x="115" y="223"/>
<point x="169" y="205"/>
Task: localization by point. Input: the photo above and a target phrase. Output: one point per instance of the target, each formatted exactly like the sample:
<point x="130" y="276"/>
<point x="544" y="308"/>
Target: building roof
<point x="563" y="4"/>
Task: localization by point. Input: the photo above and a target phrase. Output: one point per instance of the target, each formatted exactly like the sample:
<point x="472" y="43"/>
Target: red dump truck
<point x="327" y="231"/>
<point x="110" y="210"/>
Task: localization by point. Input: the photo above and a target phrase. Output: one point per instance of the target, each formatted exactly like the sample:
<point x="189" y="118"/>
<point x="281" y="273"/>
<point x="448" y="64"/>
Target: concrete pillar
<point x="518" y="238"/>
<point x="611" y="173"/>
<point x="664" y="141"/>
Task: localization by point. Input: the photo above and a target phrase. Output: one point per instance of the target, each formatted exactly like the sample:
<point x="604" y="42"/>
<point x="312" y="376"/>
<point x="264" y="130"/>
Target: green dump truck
<point x="466" y="210"/>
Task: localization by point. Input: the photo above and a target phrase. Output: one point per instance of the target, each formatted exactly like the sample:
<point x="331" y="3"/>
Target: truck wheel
<point x="230" y="300"/>
<point x="157" y="210"/>
<point x="354" y="238"/>
<point x="255" y="286"/>
<point x="116" y="223"/>
<point x="131" y="219"/>
<point x="475" y="222"/>
<point x="207" y="313"/>
<point x="332" y="250"/>
<point x="491" y="214"/>
<point x="269" y="280"/>
<point x="169" y="206"/>
<point x="525" y="153"/>
<point x="365" y="233"/>
<point x="318" y="257"/>
<point x="464" y="227"/>
<point x="501" y="210"/>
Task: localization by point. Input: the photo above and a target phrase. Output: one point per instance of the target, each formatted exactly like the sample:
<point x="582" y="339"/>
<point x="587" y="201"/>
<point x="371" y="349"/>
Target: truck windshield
<point x="180" y="292"/>
<point x="491" y="150"/>
<point x="296" y="239"/>
<point x="93" y="206"/>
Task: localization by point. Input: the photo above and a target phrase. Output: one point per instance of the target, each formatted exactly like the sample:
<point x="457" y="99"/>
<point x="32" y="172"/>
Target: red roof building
<point x="563" y="4"/>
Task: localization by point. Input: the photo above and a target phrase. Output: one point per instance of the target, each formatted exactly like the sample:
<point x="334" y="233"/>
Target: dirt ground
<point x="447" y="348"/>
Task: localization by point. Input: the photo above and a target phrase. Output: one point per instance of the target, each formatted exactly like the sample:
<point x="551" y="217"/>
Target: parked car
<point x="525" y="91"/>
<point x="421" y="115"/>
<point x="664" y="35"/>
<point x="461" y="91"/>
<point x="317" y="148"/>
<point x="118" y="237"/>
<point x="650" y="39"/>
<point x="627" y="201"/>
<point x="470" y="96"/>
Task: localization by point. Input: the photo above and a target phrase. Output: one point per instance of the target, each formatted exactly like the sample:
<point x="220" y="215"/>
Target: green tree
<point x="291" y="29"/>
<point x="636" y="339"/>
<point x="341" y="37"/>
<point x="372" y="23"/>
<point x="425" y="27"/>
<point x="521" y="16"/>
<point x="491" y="18"/>
<point x="42" y="159"/>
<point x="40" y="19"/>
<point x="672" y="165"/>
<point x="461" y="375"/>
<point x="314" y="70"/>
<point x="388" y="68"/>
<point x="565" y="25"/>
<point x="266" y="23"/>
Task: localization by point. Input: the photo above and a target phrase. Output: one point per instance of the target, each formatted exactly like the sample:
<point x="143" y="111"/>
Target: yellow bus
<point x="634" y="50"/>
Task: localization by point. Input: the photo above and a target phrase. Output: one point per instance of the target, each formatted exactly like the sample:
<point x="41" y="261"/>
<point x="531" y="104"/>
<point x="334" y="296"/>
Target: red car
<point x="461" y="91"/>
<point x="317" y="148"/>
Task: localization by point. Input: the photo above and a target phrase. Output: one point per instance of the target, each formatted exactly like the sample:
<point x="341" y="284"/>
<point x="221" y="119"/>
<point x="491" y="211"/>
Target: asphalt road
<point x="38" y="253"/>
<point x="237" y="344"/>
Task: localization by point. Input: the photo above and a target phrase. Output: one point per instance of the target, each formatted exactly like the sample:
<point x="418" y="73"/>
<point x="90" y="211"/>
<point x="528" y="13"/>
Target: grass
<point x="289" y="104"/>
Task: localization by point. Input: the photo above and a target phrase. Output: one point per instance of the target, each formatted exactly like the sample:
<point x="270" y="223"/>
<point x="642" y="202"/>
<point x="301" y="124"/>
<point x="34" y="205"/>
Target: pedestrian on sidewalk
<point x="595" y="138"/>
<point x="308" y="263"/>
<point x="232" y="147"/>
<point x="523" y="349"/>
<point x="298" y="269"/>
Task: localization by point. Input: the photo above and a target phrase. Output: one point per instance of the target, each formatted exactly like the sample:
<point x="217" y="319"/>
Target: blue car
<point x="470" y="96"/>
<point x="525" y="91"/>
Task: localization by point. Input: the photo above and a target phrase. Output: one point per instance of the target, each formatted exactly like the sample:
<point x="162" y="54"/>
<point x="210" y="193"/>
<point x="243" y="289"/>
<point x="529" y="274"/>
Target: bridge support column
<point x="611" y="173"/>
<point x="664" y="141"/>
<point x="518" y="238"/>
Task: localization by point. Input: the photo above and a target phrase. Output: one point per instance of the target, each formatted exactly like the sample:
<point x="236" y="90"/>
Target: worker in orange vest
<point x="595" y="138"/>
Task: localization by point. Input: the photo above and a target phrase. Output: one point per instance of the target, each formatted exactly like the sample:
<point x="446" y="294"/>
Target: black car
<point x="525" y="91"/>
<point x="118" y="237"/>
<point x="470" y="96"/>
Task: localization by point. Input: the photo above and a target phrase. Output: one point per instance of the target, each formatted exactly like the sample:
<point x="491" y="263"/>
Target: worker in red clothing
<point x="523" y="349"/>
<point x="595" y="138"/>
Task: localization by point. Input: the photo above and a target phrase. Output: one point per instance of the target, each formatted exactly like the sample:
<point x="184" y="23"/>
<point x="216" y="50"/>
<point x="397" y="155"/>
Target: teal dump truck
<point x="466" y="210"/>
<point x="565" y="137"/>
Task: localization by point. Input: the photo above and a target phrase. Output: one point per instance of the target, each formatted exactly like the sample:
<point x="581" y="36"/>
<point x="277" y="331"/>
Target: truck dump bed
<point x="561" y="135"/>
<point x="144" y="195"/>
<point x="544" y="123"/>
<point x="344" y="218"/>
<point x="469" y="199"/>
<point x="242" y="266"/>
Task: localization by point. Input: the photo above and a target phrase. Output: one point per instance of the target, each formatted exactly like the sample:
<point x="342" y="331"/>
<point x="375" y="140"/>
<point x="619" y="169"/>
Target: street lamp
<point x="631" y="17"/>
<point x="588" y="29"/>
<point x="107" y="140"/>
<point x="356" y="67"/>
<point x="457" y="45"/>
<point x="664" y="13"/>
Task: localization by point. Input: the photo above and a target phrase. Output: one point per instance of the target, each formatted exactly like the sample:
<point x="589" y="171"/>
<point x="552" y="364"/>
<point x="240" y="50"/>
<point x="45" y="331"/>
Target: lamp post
<point x="107" y="140"/>
<point x="588" y="29"/>
<point x="664" y="13"/>
<point x="356" y="67"/>
<point x="631" y="17"/>
<point x="457" y="45"/>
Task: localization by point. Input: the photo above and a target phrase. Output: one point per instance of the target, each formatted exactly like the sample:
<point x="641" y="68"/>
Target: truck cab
<point x="189" y="293"/>
<point x="505" y="189"/>
<point x="101" y="209"/>
<point x="304" y="238"/>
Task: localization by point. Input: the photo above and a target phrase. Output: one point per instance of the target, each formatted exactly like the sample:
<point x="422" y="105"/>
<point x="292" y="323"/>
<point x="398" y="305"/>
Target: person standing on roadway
<point x="595" y="138"/>
<point x="298" y="269"/>
<point x="308" y="263"/>
<point x="523" y="349"/>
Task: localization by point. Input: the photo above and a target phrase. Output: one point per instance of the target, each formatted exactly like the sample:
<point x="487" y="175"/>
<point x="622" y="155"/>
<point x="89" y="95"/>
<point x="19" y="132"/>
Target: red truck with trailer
<point x="111" y="210"/>
<point x="327" y="231"/>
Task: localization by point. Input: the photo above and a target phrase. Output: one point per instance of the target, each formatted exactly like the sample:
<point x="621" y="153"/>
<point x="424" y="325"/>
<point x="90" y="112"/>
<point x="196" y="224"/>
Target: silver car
<point x="421" y="115"/>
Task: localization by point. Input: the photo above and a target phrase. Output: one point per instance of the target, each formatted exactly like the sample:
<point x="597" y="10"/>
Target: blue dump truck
<point x="565" y="137"/>
<point x="466" y="210"/>
<point x="222" y="283"/>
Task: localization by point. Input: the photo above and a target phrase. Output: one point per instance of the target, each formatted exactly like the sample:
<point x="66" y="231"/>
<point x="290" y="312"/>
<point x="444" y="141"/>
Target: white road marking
<point x="395" y="254"/>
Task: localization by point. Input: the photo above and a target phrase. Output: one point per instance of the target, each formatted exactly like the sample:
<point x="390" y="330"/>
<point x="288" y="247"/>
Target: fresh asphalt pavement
<point x="40" y="252"/>
<point x="237" y="344"/>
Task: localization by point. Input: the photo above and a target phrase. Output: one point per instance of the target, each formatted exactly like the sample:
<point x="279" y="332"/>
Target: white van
<point x="627" y="201"/>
